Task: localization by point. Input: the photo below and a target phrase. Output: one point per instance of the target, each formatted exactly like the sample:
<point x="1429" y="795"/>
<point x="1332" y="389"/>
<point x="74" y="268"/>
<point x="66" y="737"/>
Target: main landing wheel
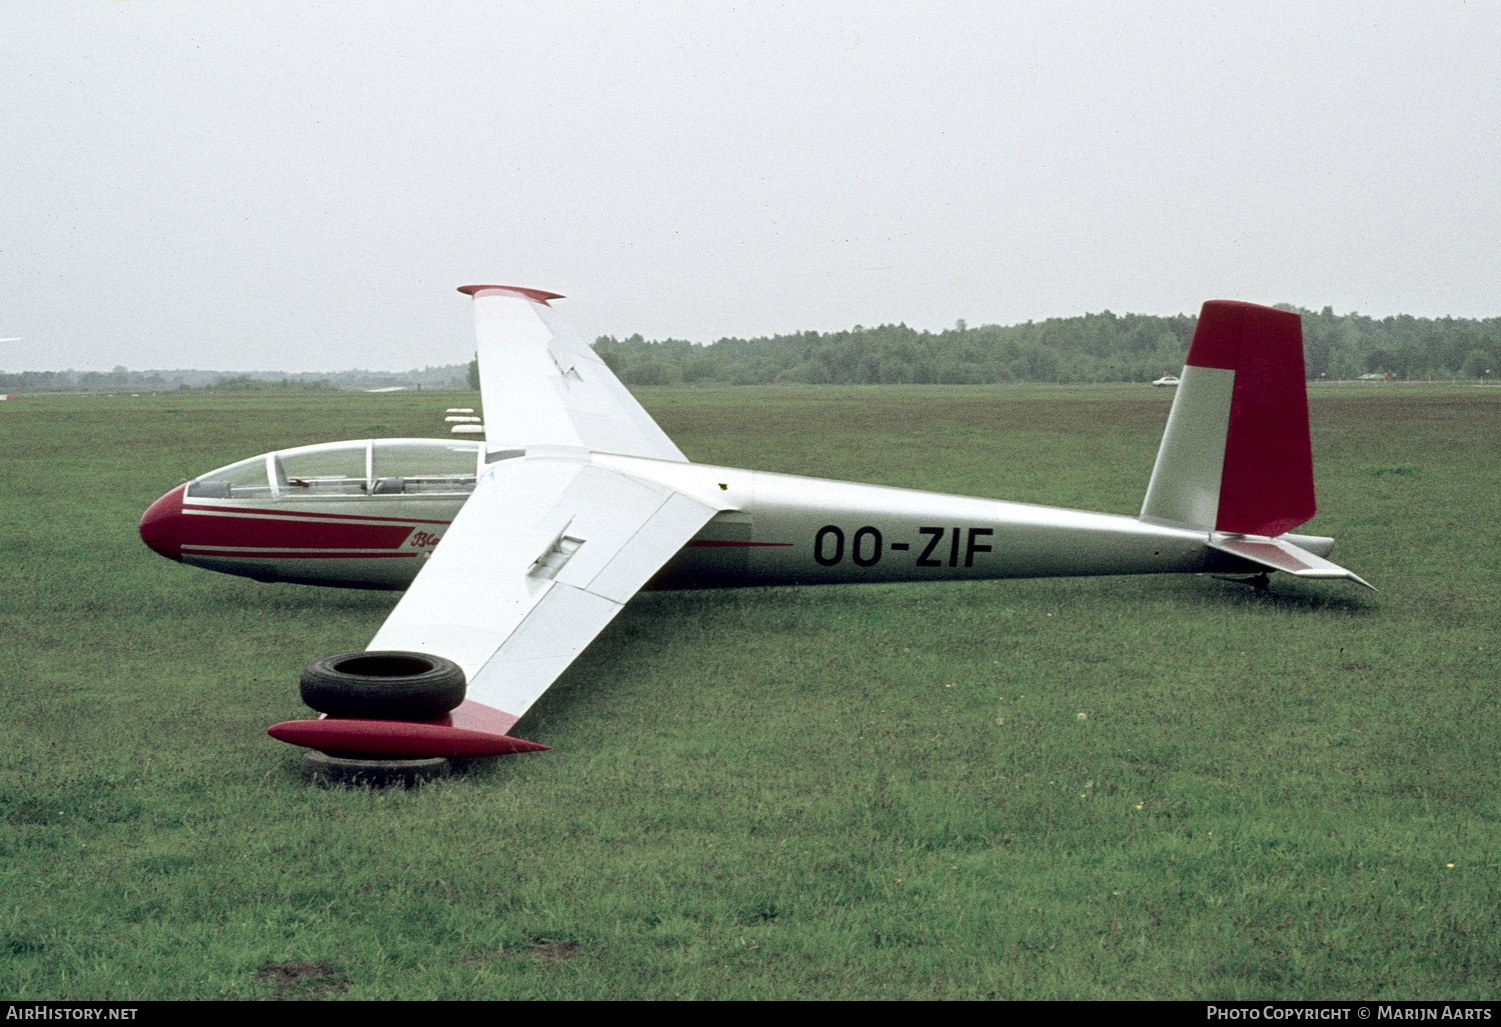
<point x="383" y="685"/>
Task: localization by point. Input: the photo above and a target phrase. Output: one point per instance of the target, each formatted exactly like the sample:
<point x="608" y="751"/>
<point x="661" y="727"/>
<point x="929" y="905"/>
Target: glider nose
<point x="161" y="525"/>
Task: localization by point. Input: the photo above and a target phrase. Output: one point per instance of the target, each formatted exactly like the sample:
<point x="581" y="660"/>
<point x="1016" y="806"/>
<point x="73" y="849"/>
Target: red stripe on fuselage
<point x="700" y="543"/>
<point x="245" y="511"/>
<point x="234" y="553"/>
<point x="292" y="531"/>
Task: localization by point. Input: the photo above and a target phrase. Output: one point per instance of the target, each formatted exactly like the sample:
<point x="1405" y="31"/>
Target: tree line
<point x="1101" y="347"/>
<point x="121" y="378"/>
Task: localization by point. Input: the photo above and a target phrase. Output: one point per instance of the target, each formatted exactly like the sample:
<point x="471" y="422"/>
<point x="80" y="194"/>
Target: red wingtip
<point x="535" y="295"/>
<point x="471" y="729"/>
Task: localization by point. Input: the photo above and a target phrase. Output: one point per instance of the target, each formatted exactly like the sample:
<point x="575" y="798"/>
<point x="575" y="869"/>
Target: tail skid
<point x="1236" y="461"/>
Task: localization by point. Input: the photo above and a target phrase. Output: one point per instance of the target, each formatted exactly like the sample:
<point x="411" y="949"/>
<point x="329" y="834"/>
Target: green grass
<point x="873" y="791"/>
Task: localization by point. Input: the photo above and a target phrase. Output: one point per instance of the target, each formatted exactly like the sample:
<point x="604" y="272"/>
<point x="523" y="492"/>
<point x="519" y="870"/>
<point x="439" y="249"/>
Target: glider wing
<point x="549" y="547"/>
<point x="541" y="557"/>
<point x="542" y="384"/>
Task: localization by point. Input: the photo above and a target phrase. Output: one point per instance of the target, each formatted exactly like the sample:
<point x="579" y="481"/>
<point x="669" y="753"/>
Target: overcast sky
<point x="302" y="186"/>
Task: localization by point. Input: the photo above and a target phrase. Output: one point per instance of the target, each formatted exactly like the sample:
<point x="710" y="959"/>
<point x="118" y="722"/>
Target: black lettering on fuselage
<point x="823" y="533"/>
<point x="970" y="549"/>
<point x="867" y="545"/>
<point x="937" y="536"/>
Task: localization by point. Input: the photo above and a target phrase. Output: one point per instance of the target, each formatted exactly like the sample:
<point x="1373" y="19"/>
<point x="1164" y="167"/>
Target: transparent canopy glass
<point x="364" y="467"/>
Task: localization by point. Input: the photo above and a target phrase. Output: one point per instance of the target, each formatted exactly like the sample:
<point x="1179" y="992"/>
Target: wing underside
<point x="543" y="555"/>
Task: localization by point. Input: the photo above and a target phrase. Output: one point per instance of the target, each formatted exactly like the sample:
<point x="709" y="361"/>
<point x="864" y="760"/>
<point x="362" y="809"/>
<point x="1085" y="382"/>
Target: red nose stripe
<point x="223" y="531"/>
<point x="161" y="525"/>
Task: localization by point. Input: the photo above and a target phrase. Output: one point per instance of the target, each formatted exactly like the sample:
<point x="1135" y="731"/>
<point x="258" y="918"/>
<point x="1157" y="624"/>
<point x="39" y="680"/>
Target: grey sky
<point x="300" y="186"/>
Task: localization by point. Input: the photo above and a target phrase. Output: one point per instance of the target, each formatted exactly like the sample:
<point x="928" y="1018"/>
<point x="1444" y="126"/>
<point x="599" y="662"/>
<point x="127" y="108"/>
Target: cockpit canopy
<point x="370" y="467"/>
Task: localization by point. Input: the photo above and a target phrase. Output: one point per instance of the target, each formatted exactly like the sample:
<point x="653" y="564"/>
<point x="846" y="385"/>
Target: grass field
<point x="1090" y="788"/>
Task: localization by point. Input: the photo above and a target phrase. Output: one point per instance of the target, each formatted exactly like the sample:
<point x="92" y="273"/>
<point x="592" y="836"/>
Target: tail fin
<point x="1236" y="456"/>
<point x="1236" y="459"/>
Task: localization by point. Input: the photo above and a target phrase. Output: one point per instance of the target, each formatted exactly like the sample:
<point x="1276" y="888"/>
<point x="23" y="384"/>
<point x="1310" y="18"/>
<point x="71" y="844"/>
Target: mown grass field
<point x="1090" y="788"/>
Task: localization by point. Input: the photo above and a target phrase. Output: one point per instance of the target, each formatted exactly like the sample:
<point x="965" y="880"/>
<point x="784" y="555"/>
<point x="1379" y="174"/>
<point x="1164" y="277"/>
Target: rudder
<point x="1236" y="455"/>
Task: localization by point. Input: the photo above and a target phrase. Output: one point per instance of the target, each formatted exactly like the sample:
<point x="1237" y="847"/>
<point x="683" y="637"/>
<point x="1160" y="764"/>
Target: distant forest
<point x="452" y="376"/>
<point x="1102" y="347"/>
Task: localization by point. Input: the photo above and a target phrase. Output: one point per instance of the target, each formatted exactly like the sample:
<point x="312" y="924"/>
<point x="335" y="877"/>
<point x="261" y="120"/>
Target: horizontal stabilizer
<point x="1279" y="555"/>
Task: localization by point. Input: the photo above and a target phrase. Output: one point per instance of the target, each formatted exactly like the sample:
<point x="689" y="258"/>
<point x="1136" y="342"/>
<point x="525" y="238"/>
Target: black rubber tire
<point x="383" y="685"/>
<point x="358" y="772"/>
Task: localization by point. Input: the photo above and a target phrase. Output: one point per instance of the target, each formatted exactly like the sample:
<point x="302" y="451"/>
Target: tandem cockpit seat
<point x="208" y="489"/>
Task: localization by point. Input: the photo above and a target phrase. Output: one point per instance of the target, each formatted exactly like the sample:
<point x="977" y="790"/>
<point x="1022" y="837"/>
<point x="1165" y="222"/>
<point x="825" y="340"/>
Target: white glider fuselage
<point x="770" y="529"/>
<point x="786" y="529"/>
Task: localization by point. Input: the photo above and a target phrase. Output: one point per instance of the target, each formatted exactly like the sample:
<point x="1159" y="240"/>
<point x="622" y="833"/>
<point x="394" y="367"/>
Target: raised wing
<point x="541" y="557"/>
<point x="543" y="385"/>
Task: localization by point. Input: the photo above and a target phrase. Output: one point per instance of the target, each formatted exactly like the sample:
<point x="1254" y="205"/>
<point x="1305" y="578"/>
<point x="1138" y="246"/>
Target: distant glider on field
<point x="576" y="500"/>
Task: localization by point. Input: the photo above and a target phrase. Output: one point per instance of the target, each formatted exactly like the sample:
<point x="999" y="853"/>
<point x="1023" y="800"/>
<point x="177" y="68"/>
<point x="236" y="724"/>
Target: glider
<point x="517" y="550"/>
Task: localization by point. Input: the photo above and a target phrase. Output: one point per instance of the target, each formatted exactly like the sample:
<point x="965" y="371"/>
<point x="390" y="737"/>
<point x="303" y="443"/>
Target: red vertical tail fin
<point x="1236" y="455"/>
